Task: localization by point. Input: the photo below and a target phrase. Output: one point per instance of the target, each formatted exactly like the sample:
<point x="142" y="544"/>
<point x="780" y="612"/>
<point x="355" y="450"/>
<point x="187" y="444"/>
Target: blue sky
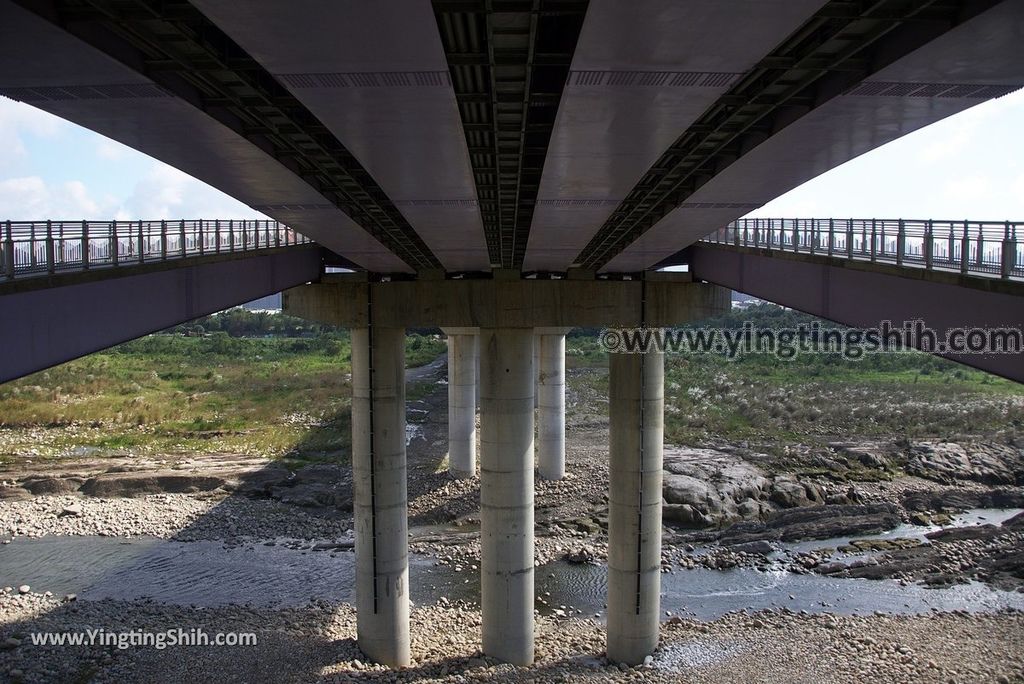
<point x="967" y="166"/>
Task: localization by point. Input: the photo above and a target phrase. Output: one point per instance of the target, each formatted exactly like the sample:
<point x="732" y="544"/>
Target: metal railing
<point x="990" y="249"/>
<point x="39" y="248"/>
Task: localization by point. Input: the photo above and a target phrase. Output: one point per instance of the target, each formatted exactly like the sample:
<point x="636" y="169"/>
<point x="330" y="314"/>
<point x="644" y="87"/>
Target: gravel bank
<point x="316" y="643"/>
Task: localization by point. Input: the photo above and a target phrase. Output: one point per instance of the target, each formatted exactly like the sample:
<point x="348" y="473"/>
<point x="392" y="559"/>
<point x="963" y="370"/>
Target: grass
<point x="166" y="393"/>
<point x="811" y="399"/>
<point x="288" y="395"/>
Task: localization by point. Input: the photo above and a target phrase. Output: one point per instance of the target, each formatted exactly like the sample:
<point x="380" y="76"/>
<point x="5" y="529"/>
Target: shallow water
<point x="208" y="573"/>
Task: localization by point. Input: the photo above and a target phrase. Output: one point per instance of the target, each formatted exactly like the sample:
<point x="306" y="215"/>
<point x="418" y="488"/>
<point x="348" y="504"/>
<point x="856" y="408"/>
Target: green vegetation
<point x="271" y="385"/>
<point x="820" y="397"/>
<point x="215" y="392"/>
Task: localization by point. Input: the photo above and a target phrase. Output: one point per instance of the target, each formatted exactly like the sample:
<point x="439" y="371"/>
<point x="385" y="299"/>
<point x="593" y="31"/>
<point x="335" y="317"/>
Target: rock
<point x="816" y="522"/>
<point x="10" y="643"/>
<point x="919" y="518"/>
<point x="24" y="589"/>
<point x="648" y="660"/>
<point x="759" y="547"/>
<point x="53" y="485"/>
<point x="133" y="484"/>
<point x="72" y="510"/>
<point x="580" y="555"/>
<point x="948" y="462"/>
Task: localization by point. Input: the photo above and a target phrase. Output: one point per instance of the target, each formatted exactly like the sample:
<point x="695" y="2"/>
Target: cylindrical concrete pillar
<point x="506" y="493"/>
<point x="462" y="389"/>
<point x="379" y="494"/>
<point x="551" y="403"/>
<point x="636" y="407"/>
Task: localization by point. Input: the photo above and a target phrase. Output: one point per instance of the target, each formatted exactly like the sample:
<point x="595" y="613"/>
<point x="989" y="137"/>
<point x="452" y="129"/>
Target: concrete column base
<point x="506" y="493"/>
<point x="462" y="390"/>
<point x="379" y="494"/>
<point x="551" y="402"/>
<point x="636" y="407"/>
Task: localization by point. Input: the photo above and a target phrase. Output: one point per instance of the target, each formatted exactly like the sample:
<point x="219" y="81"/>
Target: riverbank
<point x="317" y="642"/>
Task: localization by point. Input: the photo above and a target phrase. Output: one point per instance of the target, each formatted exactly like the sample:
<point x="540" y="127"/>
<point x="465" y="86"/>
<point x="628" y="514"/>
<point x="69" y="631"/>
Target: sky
<point x="970" y="165"/>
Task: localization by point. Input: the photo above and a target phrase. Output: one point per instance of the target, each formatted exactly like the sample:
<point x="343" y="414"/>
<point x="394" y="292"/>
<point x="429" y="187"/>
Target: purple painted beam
<point x="860" y="295"/>
<point x="46" y="326"/>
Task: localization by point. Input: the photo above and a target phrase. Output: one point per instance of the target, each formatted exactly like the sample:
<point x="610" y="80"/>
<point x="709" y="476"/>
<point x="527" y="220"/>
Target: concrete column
<point x="506" y="493"/>
<point x="636" y="407"/>
<point x="551" y="402"/>
<point x="462" y="390"/>
<point x="379" y="484"/>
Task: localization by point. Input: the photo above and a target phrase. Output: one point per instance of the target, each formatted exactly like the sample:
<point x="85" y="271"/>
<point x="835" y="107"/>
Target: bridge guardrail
<point x="982" y="248"/>
<point x="38" y="248"/>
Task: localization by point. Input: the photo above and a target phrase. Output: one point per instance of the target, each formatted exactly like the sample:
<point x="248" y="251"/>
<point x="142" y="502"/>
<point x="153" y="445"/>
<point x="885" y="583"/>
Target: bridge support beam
<point x="506" y="493"/>
<point x="379" y="493"/>
<point x="636" y="407"/>
<point x="551" y="402"/>
<point x="462" y="400"/>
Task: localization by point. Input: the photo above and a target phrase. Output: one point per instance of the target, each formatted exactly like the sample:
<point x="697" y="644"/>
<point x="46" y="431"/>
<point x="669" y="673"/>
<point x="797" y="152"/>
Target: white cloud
<point x="968" y="188"/>
<point x="18" y="119"/>
<point x="30" y="198"/>
<point x="111" y="150"/>
<point x="167" y="193"/>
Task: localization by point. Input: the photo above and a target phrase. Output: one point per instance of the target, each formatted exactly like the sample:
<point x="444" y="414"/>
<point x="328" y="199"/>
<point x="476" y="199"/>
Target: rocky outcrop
<point x="956" y="499"/>
<point x="949" y="462"/>
<point x="817" y="522"/>
<point x="705" y="488"/>
<point x="317" y="485"/>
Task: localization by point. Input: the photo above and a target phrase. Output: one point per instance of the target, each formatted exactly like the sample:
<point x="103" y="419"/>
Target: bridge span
<point x="505" y="169"/>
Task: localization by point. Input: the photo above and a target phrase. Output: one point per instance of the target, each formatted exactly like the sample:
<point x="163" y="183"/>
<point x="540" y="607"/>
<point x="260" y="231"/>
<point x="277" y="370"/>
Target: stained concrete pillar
<point x="636" y="407"/>
<point x="462" y="398"/>
<point x="506" y="493"/>
<point x="551" y="402"/>
<point x="379" y="494"/>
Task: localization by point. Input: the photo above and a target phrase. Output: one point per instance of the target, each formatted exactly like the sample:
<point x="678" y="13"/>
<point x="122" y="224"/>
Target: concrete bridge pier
<point x="462" y="400"/>
<point x="506" y="493"/>
<point x="379" y="484"/>
<point x="551" y="402"/>
<point x="636" y="407"/>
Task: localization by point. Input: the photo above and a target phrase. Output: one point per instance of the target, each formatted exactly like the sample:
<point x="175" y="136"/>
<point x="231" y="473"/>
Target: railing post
<point x="951" y="246"/>
<point x="874" y="239"/>
<point x="32" y="258"/>
<point x="85" y="245"/>
<point x="981" y="247"/>
<point x="1009" y="251"/>
<point x="9" y="260"/>
<point x="114" y="246"/>
<point x="796" y="235"/>
<point x="849" y="238"/>
<point x="831" y="234"/>
<point x="163" y="240"/>
<point x="965" y="247"/>
<point x="231" y="235"/>
<point x="49" y="247"/>
<point x="814" y="234"/>
<point x="277" y="233"/>
<point x="901" y="242"/>
<point x="181" y="238"/>
<point x="735" y="235"/>
<point x="141" y="244"/>
<point x="216" y="232"/>
<point x="929" y="244"/>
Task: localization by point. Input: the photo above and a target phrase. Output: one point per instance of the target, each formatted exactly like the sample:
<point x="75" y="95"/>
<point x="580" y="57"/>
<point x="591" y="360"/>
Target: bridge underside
<point x="863" y="295"/>
<point x="82" y="313"/>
